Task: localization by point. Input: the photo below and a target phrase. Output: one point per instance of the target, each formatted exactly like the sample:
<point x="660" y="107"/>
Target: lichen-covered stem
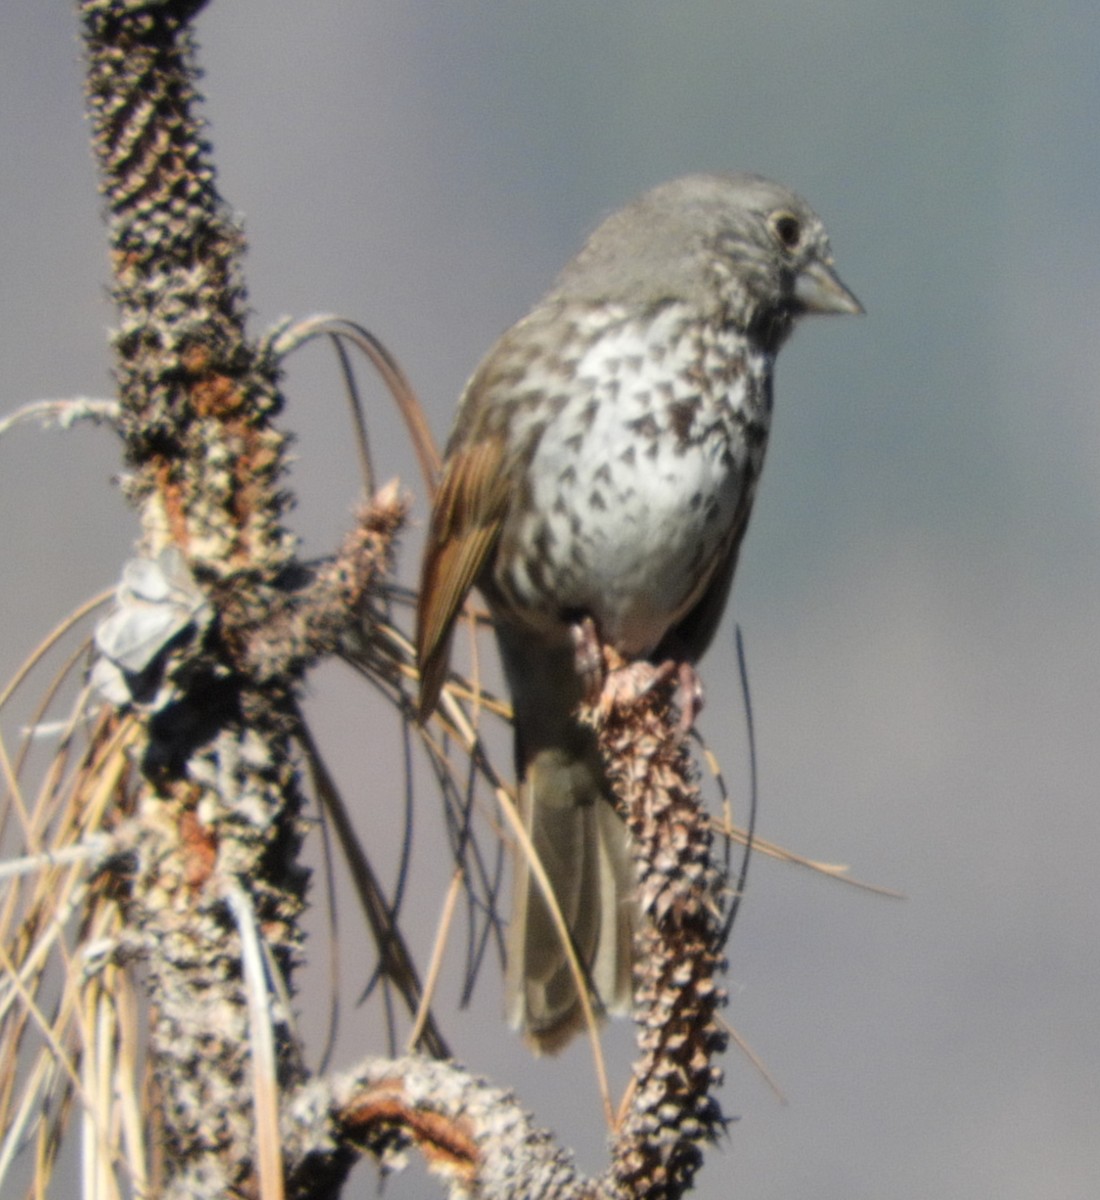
<point x="672" y="1111"/>
<point x="217" y="795"/>
<point x="197" y="397"/>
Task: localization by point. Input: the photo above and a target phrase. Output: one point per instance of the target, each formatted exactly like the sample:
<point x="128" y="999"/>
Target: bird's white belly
<point x="632" y="541"/>
<point x="635" y="493"/>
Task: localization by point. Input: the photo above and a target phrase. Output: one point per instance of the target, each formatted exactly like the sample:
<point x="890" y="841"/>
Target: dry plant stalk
<point x="218" y="798"/>
<point x="671" y="1107"/>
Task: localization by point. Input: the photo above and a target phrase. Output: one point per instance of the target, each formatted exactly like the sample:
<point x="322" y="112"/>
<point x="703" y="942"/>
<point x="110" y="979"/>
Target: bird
<point x="600" y="474"/>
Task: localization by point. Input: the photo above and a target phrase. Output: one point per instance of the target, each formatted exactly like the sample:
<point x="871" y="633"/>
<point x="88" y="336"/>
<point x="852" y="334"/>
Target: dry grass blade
<point x="754" y="1058"/>
<point x="68" y="1017"/>
<point x="265" y="1090"/>
<point x="51" y="640"/>
<point x="341" y="329"/>
<point x="837" y="871"/>
<point x="460" y="763"/>
<point x="435" y="964"/>
<point x="396" y="962"/>
<point x="724" y="827"/>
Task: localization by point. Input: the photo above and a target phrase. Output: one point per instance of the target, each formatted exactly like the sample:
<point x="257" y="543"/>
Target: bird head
<point x="737" y="247"/>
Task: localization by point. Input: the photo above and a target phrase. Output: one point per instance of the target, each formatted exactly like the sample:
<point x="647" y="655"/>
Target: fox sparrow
<point x="601" y="471"/>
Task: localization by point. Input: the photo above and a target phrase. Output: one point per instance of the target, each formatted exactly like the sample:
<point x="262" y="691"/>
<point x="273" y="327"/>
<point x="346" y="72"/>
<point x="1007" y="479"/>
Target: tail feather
<point x="583" y="848"/>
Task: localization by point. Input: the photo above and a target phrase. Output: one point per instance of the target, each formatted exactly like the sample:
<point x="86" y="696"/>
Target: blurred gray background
<point x="919" y="587"/>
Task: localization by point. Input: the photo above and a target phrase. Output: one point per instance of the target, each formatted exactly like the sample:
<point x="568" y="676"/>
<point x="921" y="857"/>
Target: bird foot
<point x="608" y="679"/>
<point x="588" y="658"/>
<point x="689" y="696"/>
<point x="628" y="682"/>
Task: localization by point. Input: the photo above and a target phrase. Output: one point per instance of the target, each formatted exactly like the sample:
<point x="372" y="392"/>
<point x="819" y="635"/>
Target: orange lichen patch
<point x="174" y="510"/>
<point x="447" y="1144"/>
<point x="125" y="261"/>
<point x="264" y="455"/>
<point x="195" y="358"/>
<point x="216" y="396"/>
<point x="200" y="850"/>
<point x="249" y="486"/>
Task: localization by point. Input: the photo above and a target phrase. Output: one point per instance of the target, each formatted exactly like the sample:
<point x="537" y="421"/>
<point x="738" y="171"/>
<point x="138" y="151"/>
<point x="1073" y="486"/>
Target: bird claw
<point x="609" y="680"/>
<point x="689" y="696"/>
<point x="626" y="683"/>
<point x="588" y="657"/>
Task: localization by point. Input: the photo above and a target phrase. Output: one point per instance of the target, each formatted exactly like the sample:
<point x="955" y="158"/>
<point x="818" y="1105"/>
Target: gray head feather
<point x="735" y="246"/>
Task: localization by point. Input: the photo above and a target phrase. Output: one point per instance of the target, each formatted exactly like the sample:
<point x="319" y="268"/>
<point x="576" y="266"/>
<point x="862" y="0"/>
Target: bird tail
<point x="582" y="846"/>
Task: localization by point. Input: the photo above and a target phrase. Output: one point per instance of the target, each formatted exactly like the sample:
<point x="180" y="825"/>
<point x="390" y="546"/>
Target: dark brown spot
<point x="681" y="416"/>
<point x="730" y="369"/>
<point x="645" y="425"/>
<point x="694" y="374"/>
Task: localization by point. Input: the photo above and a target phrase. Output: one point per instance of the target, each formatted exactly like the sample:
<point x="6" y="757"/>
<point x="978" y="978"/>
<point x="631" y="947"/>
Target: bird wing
<point x="466" y="520"/>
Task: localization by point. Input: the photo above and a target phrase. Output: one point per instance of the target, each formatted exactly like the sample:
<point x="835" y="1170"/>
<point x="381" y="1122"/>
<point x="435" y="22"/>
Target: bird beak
<point x="817" y="289"/>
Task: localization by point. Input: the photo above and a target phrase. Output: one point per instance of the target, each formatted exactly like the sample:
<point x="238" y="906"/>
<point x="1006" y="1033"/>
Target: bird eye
<point x="787" y="230"/>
